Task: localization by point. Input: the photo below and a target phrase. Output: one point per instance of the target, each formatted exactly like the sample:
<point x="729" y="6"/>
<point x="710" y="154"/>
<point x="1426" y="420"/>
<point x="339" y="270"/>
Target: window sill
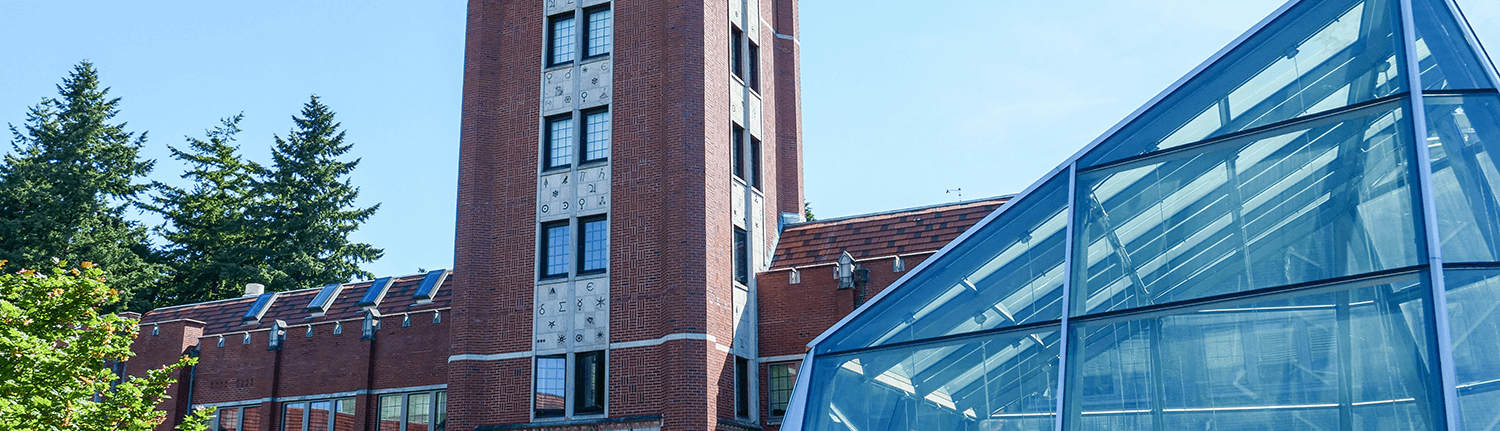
<point x="557" y="66"/>
<point x="592" y="163"/>
<point x="556" y="169"/>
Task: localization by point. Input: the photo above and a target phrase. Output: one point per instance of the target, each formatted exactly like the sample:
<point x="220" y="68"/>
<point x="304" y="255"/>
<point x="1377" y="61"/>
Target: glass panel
<point x="588" y="389"/>
<point x="551" y="389"/>
<point x="601" y="27"/>
<point x="741" y="257"/>
<point x="250" y="418"/>
<point x="390" y="413"/>
<point x="229" y="419"/>
<point x="440" y="418"/>
<point x="1443" y="54"/>
<point x="1465" y="179"/>
<point x="557" y="250"/>
<point x="1473" y="299"/>
<point x="779" y="383"/>
<point x="318" y="415"/>
<point x="292" y="416"/>
<point x="1350" y="359"/>
<point x="343" y="418"/>
<point x="559" y="142"/>
<point x="595" y="252"/>
<point x="1331" y="198"/>
<point x="1009" y="272"/>
<point x="562" y="40"/>
<point x="1001" y="382"/>
<point x="596" y="146"/>
<point x="418" y="411"/>
<point x="1316" y="57"/>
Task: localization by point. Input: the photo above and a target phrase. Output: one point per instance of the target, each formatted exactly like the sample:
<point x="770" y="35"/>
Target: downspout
<point x="191" y="381"/>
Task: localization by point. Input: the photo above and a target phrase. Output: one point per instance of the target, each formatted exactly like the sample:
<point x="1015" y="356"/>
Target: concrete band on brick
<point x="612" y="346"/>
<point x="345" y="394"/>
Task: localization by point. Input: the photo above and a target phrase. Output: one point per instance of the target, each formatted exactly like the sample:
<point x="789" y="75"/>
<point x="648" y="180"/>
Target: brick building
<point x="630" y="252"/>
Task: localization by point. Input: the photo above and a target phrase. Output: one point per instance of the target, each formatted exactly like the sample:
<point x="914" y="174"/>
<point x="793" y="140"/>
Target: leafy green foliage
<point x="65" y="190"/>
<point x="55" y="350"/>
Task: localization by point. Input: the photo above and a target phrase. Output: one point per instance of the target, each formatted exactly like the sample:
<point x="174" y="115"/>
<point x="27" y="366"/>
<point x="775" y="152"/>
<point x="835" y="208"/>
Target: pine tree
<point x="309" y="208"/>
<point x="213" y="249"/>
<point x="66" y="188"/>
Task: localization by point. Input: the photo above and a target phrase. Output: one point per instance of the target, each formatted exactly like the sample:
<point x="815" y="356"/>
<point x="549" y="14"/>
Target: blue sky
<point x="902" y="100"/>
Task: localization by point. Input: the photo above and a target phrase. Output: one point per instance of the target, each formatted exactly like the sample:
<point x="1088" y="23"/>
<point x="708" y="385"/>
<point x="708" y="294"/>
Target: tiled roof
<point x="877" y="235"/>
<point x="224" y="316"/>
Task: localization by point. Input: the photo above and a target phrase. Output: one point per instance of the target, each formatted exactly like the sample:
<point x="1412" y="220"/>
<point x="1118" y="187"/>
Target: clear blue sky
<point x="901" y="99"/>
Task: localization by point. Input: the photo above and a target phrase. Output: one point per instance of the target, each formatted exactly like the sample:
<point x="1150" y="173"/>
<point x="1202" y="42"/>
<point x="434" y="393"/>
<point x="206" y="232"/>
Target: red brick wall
<point x="785" y="77"/>
<point x="791" y="315"/>
<point x="171" y="342"/>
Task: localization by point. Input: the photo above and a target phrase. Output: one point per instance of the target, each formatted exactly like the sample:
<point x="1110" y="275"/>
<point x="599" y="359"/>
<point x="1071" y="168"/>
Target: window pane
<point x="560" y="142"/>
<point x="1316" y="57"/>
<point x="589" y="383"/>
<point x="737" y="152"/>
<point x="601" y="28"/>
<point x="754" y="65"/>
<point x="229" y="419"/>
<point x="250" y="418"/>
<point x="1465" y="176"/>
<point x="343" y="418"/>
<point x="441" y="416"/>
<point x="1329" y="199"/>
<point x="779" y="387"/>
<point x="596" y="147"/>
<point x="390" y="413"/>
<point x="736" y="62"/>
<point x="755" y="163"/>
<point x="418" y="411"/>
<point x="318" y="415"/>
<point x="741" y="257"/>
<point x="998" y="383"/>
<point x="562" y="40"/>
<point x="1473" y="296"/>
<point x="1008" y="272"/>
<point x="557" y="249"/>
<point x="292" y="416"/>
<point x="1445" y="57"/>
<point x="551" y="385"/>
<point x="741" y="387"/>
<point x="1304" y="362"/>
<point x="595" y="250"/>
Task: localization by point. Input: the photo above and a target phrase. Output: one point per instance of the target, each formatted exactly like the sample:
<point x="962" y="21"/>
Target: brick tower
<point x="624" y="166"/>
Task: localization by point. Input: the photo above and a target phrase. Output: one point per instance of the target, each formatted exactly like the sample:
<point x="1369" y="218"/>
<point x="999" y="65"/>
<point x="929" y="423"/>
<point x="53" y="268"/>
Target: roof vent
<point x="254" y="289"/>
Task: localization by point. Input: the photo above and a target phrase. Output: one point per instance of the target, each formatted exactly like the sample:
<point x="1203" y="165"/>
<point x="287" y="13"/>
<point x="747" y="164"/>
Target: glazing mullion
<point x="1066" y="302"/>
<point x="1436" y="287"/>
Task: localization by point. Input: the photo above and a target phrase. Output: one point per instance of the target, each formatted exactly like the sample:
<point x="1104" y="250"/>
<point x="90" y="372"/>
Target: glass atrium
<point x="1303" y="234"/>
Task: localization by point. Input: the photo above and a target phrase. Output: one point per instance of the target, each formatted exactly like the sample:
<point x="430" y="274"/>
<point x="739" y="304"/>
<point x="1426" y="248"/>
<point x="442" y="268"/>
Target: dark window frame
<point x="545" y="241"/>
<point x="753" y="63"/>
<point x="741" y="256"/>
<point x="742" y="388"/>
<point x="737" y="151"/>
<point x="583" y="138"/>
<point x="754" y="166"/>
<point x="785" y="389"/>
<point x="583" y="240"/>
<point x="547" y="141"/>
<point x="736" y="52"/>
<point x="536" y="388"/>
<point x="552" y="38"/>
<point x="588" y="16"/>
<point x="587" y="398"/>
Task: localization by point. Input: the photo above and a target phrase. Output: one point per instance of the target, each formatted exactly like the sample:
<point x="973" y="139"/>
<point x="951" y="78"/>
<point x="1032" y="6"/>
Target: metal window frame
<point x="544" y="242"/>
<point x="583" y="239"/>
<point x="547" y="149"/>
<point x="583" y="138"/>
<point x="551" y="34"/>
<point x="588" y="16"/>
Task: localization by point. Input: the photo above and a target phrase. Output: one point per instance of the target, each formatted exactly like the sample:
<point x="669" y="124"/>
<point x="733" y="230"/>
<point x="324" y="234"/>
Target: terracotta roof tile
<point x="878" y="235"/>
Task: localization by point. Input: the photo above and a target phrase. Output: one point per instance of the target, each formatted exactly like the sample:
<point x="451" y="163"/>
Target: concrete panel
<point x="555" y="196"/>
<point x="592" y="196"/>
<point x="737" y="102"/>
<point x="753" y="115"/>
<point x="559" y="6"/>
<point x="594" y="84"/>
<point x="737" y="202"/>
<point x="553" y="317"/>
<point x="558" y="94"/>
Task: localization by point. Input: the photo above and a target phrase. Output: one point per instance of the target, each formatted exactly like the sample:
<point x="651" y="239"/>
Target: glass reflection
<point x="1350" y="359"/>
<point x="1443" y="53"/>
<point x="1316" y="57"/>
<point x="1465" y="179"/>
<point x="1473" y="297"/>
<point x="999" y="382"/>
<point x="1009" y="272"/>
<point x="1330" y="198"/>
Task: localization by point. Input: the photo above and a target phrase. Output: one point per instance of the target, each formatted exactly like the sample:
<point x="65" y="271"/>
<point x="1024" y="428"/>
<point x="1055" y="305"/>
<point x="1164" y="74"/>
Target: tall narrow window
<point x="588" y="383"/>
<point x="390" y="413"/>
<point x="741" y="258"/>
<point x="562" y="41"/>
<point x="551" y="385"/>
<point x="343" y="416"/>
<point x="736" y="60"/>
<point x="737" y="152"/>
<point x="596" y="136"/>
<point x="418" y="412"/>
<point x="555" y="249"/>
<point x="317" y="415"/>
<point x="754" y="163"/>
<point x="559" y="151"/>
<point x="779" y="388"/>
<point x="228" y="420"/>
<point x="594" y="234"/>
<point x="440" y="414"/>
<point x="753" y="63"/>
<point x="292" y="416"/>
<point x="599" y="32"/>
<point x="741" y="387"/>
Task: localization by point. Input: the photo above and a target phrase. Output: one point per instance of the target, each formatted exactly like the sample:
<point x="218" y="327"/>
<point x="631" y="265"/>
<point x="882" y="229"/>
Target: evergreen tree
<point x="309" y="208"/>
<point x="213" y="250"/>
<point x="66" y="188"/>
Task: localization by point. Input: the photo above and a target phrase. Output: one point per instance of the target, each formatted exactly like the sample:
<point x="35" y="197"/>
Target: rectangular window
<point x="588" y="383"/>
<point x="418" y="411"/>
<point x="228" y="420"/>
<point x="736" y="61"/>
<point x="754" y="65"/>
<point x="292" y="416"/>
<point x="440" y="414"/>
<point x="555" y="249"/>
<point x="779" y="387"/>
<point x="390" y="413"/>
<point x="343" y="417"/>
<point x="594" y="245"/>
<point x="741" y="387"/>
<point x="596" y="136"/>
<point x="318" y="415"/>
<point x="741" y="258"/>
<point x="562" y="39"/>
<point x="559" y="151"/>
<point x="755" y="163"/>
<point x="551" y="384"/>
<point x="737" y="152"/>
<point x="600" y="31"/>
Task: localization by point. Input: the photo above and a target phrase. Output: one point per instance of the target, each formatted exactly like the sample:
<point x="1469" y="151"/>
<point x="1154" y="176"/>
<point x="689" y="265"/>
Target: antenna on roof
<point x="960" y="192"/>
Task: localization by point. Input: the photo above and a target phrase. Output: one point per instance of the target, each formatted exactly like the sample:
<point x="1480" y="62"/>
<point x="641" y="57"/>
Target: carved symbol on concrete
<point x="551" y="323"/>
<point x="545" y="209"/>
<point x="580" y="304"/>
<point x="578" y="338"/>
<point x="599" y="303"/>
<point x="589" y="286"/>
